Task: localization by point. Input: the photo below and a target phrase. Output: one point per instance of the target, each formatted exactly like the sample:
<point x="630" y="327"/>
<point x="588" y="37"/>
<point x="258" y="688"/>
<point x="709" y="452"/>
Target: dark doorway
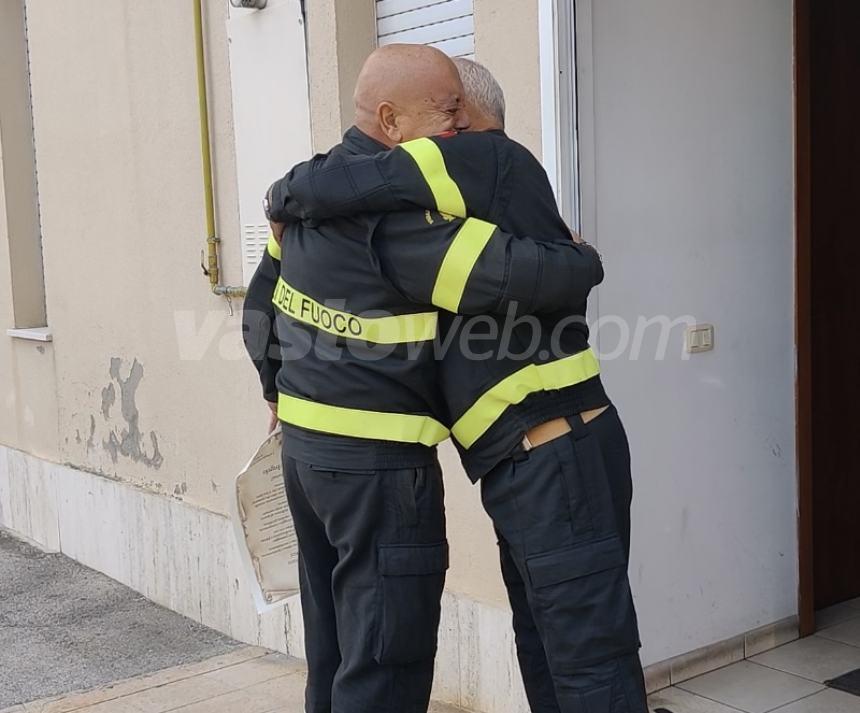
<point x="829" y="299"/>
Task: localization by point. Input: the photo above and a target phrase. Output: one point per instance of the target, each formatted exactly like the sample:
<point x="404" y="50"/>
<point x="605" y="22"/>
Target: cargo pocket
<point x="412" y="578"/>
<point x="582" y="596"/>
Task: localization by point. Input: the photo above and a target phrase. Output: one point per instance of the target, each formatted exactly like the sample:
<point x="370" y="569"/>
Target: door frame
<point x="803" y="312"/>
<point x="559" y="39"/>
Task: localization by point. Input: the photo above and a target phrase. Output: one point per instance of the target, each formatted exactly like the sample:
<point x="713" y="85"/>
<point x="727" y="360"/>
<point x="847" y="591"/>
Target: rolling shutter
<point x="446" y="24"/>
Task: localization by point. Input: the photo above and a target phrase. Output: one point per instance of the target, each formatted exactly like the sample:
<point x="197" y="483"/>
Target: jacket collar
<point x="357" y="142"/>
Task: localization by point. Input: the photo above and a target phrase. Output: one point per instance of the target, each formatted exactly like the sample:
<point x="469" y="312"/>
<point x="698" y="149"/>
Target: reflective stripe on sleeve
<point x="273" y="248"/>
<point x="515" y="388"/>
<point x="459" y="261"/>
<point x="394" y="329"/>
<point x="356" y="423"/>
<point x="431" y="163"/>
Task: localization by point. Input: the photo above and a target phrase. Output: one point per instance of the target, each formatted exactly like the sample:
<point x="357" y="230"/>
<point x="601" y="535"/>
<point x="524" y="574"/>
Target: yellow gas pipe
<point x="212" y="240"/>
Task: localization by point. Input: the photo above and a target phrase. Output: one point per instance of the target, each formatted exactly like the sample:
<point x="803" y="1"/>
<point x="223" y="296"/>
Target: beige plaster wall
<point x="152" y="386"/>
<point x="506" y="41"/>
<point x="341" y="33"/>
<point x="146" y="380"/>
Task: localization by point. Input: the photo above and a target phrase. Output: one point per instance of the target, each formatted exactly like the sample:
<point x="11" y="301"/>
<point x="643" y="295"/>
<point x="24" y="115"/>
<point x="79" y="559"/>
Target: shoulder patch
<point x="447" y="217"/>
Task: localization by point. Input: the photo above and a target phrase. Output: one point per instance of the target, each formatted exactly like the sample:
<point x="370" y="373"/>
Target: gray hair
<point x="482" y="89"/>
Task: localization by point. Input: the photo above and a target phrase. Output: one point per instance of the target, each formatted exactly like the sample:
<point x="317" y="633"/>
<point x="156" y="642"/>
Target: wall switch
<point x="700" y="338"/>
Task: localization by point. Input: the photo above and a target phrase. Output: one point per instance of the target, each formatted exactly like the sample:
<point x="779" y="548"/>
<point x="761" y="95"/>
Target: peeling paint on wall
<point x="91" y="441"/>
<point x="127" y="440"/>
<point x="108" y="399"/>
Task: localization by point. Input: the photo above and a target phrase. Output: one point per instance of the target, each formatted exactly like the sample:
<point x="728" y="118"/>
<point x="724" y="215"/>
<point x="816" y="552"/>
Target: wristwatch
<point x="267" y="206"/>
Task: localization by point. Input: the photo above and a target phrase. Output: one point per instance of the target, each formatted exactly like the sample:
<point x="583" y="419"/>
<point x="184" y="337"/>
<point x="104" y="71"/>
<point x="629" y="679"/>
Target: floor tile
<point x="814" y="658"/>
<point x="121" y="689"/>
<point x="283" y="688"/>
<point x="176" y="695"/>
<point x="678" y="701"/>
<point x="750" y="687"/>
<point x="837" y="614"/>
<point x="255" y="671"/>
<point x="442" y="708"/>
<point x="115" y="706"/>
<point x="828" y="701"/>
<point x="243" y="701"/>
<point x="847" y="632"/>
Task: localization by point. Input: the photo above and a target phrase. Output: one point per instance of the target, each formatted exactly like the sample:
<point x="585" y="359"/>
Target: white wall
<point x="688" y="186"/>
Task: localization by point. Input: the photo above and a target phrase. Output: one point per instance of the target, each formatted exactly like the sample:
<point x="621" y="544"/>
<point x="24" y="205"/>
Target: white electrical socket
<point x="699" y="338"/>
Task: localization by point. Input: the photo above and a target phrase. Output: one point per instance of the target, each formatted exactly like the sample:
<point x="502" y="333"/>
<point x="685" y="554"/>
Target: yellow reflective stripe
<point x="516" y="387"/>
<point x="273" y="248"/>
<point x="457" y="265"/>
<point x="396" y="329"/>
<point x="431" y="163"/>
<point x="356" y="423"/>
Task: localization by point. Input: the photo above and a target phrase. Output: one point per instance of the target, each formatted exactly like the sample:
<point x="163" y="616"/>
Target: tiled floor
<point x="786" y="680"/>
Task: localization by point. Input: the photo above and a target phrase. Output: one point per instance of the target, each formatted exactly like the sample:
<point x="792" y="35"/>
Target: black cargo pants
<point x="562" y="515"/>
<point x="373" y="562"/>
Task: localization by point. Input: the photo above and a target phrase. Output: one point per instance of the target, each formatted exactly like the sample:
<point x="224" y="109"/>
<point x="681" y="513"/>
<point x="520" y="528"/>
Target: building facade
<point x="668" y="129"/>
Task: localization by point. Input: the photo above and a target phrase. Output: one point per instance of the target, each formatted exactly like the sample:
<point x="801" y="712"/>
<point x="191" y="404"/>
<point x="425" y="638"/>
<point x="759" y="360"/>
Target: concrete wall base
<point x="184" y="558"/>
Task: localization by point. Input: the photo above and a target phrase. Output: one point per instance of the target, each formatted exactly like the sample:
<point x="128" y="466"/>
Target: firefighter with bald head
<point x="359" y="302"/>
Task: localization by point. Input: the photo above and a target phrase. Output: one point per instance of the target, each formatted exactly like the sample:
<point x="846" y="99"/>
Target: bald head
<point x="405" y="92"/>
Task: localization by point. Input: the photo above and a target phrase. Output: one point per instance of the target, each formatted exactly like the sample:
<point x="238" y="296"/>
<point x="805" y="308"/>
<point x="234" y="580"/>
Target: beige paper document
<point x="264" y="527"/>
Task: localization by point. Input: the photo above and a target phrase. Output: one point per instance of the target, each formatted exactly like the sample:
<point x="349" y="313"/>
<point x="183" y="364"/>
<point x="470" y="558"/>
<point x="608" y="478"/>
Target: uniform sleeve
<point x="472" y="267"/>
<point x="416" y="174"/>
<point x="338" y="185"/>
<point x="258" y="321"/>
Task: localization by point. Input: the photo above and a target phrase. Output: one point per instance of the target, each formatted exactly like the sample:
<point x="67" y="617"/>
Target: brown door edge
<point x="803" y="315"/>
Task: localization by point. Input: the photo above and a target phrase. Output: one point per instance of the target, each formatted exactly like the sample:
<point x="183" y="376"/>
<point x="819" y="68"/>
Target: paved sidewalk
<point x="66" y="628"/>
<point x="246" y="680"/>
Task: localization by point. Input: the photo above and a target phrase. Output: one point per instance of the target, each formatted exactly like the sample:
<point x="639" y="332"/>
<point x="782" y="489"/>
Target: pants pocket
<point x="412" y="578"/>
<point x="582" y="596"/>
<point x="589" y="495"/>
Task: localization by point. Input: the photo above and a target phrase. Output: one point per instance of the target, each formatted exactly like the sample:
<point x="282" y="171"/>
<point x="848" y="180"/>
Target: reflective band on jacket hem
<point x="516" y="387"/>
<point x="459" y="261"/>
<point x="273" y="248"/>
<point x="376" y="425"/>
<point x="395" y="329"/>
<point x="431" y="163"/>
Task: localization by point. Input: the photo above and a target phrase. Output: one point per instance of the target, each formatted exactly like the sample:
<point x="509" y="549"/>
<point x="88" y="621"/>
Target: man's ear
<point x="386" y="115"/>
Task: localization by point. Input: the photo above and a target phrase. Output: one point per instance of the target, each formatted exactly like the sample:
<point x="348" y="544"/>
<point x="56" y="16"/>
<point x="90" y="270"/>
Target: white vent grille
<point x="446" y="24"/>
<point x="255" y="238"/>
